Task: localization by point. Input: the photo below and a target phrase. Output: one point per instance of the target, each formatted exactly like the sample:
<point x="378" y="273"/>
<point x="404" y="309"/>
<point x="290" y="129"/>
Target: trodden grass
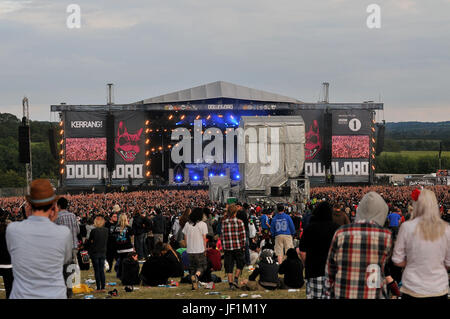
<point x="183" y="291"/>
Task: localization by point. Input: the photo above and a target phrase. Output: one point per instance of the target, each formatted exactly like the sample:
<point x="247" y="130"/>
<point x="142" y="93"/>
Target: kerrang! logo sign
<point x="313" y="143"/>
<point x="127" y="145"/>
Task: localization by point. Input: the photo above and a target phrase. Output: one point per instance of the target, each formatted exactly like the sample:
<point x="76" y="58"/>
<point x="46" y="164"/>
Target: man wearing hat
<point x="39" y="248"/>
<point x="359" y="251"/>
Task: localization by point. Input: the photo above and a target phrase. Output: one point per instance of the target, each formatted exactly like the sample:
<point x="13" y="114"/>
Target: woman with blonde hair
<point x="423" y="249"/>
<point x="97" y="244"/>
<point x="124" y="241"/>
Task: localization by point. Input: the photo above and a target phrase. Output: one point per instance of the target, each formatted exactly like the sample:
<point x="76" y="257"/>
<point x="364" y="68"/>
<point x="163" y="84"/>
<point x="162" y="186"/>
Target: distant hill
<point x="418" y="130"/>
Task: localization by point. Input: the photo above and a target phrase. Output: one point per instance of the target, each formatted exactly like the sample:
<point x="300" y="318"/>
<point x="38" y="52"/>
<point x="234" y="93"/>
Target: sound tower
<point x="52" y="142"/>
<point x="24" y="143"/>
<point x="380" y="140"/>
<point x="327" y="140"/>
<point x="110" y="132"/>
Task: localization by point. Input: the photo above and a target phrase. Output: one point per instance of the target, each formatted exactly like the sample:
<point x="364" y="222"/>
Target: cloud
<point x="12" y="6"/>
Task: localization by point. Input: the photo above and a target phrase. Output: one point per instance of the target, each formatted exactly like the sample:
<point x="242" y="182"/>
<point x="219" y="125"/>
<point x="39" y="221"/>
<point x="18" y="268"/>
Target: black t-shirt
<point x="316" y="241"/>
<point x="123" y="238"/>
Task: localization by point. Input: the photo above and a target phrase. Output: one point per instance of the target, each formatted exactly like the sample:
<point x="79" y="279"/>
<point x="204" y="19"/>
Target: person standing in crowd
<point x="394" y="219"/>
<point x="38" y="264"/>
<point x="360" y="250"/>
<point x="111" y="251"/>
<point x="97" y="244"/>
<point x="307" y="216"/>
<point x="423" y="249"/>
<point x="195" y="231"/>
<point x="242" y="215"/>
<point x="124" y="241"/>
<point x="283" y="230"/>
<point x="314" y="246"/>
<point x="69" y="220"/>
<point x="339" y="216"/>
<point x="265" y="223"/>
<point x="140" y="229"/>
<point x="233" y="242"/>
<point x="159" y="226"/>
<point x="5" y="259"/>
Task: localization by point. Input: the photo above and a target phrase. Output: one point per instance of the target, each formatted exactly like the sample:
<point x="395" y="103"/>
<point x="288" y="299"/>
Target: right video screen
<point x="350" y="146"/>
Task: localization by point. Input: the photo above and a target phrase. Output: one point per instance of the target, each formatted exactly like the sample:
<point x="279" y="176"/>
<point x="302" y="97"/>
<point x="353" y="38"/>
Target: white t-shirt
<point x="194" y="234"/>
<point x="425" y="273"/>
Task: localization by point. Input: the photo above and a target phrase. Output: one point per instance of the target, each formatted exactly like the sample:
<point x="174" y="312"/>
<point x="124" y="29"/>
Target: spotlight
<point x="222" y="175"/>
<point x="198" y="117"/>
<point x="147" y="174"/>
<point x="61" y="123"/>
<point x="237" y="176"/>
<point x="147" y="122"/>
<point x="209" y="116"/>
<point x="211" y="174"/>
<point x="195" y="177"/>
<point x="170" y="116"/>
<point x="182" y="117"/>
<point x="178" y="178"/>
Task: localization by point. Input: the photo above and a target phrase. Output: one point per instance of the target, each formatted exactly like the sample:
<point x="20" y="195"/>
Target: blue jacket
<point x="282" y="225"/>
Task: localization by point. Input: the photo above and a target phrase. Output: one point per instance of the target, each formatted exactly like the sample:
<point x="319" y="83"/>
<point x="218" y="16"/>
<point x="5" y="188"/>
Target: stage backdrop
<point x="86" y="146"/>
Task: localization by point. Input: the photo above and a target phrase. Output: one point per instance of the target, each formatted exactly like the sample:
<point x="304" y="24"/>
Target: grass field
<point x="415" y="154"/>
<point x="183" y="291"/>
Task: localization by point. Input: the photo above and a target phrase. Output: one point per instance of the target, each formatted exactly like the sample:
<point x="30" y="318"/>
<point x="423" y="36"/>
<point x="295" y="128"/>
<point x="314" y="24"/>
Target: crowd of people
<point x="352" y="146"/>
<point x="85" y="149"/>
<point x="345" y="242"/>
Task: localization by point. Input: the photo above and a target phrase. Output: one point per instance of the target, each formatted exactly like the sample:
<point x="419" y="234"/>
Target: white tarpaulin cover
<point x="219" y="188"/>
<point x="282" y="135"/>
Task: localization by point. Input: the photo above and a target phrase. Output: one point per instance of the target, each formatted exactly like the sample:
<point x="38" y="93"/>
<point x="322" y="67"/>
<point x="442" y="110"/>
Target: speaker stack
<point x="24" y="143"/>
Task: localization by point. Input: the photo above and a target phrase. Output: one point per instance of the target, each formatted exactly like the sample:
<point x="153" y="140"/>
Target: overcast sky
<point x="148" y="48"/>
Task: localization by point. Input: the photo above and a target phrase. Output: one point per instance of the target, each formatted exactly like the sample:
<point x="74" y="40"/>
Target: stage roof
<point x="217" y="90"/>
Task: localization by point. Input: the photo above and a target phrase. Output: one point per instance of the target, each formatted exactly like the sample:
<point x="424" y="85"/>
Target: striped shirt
<point x="233" y="234"/>
<point x="355" y="264"/>
<point x="68" y="219"/>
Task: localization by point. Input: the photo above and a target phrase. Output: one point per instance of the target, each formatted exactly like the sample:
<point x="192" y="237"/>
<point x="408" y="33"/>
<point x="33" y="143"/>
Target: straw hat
<point x="41" y="193"/>
<point x="116" y="208"/>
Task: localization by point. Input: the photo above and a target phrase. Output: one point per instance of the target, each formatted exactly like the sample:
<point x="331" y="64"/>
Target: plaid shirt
<point x="356" y="259"/>
<point x="68" y="219"/>
<point x="233" y="234"/>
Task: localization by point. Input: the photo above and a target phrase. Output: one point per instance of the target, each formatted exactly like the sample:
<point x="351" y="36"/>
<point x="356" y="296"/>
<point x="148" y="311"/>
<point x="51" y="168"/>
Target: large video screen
<point x="85" y="149"/>
<point x="351" y="146"/>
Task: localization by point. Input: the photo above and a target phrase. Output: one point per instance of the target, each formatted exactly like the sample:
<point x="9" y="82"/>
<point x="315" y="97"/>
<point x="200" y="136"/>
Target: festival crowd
<point x="374" y="242"/>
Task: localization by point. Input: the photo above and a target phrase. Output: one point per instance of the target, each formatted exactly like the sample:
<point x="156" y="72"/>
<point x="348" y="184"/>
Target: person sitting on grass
<point x="176" y="268"/>
<point x="155" y="270"/>
<point x="130" y="271"/>
<point x="267" y="270"/>
<point x="292" y="268"/>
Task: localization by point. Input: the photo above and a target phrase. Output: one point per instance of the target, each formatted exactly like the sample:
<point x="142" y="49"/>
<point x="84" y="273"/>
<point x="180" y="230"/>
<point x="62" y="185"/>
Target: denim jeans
<point x="247" y="251"/>
<point x="140" y="244"/>
<point x="99" y="270"/>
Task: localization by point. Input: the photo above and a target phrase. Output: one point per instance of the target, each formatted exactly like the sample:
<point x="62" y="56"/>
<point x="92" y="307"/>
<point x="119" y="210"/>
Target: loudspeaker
<point x="280" y="191"/>
<point x="110" y="134"/>
<point x="380" y="140"/>
<point x="24" y="144"/>
<point x="327" y="139"/>
<point x="52" y="142"/>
